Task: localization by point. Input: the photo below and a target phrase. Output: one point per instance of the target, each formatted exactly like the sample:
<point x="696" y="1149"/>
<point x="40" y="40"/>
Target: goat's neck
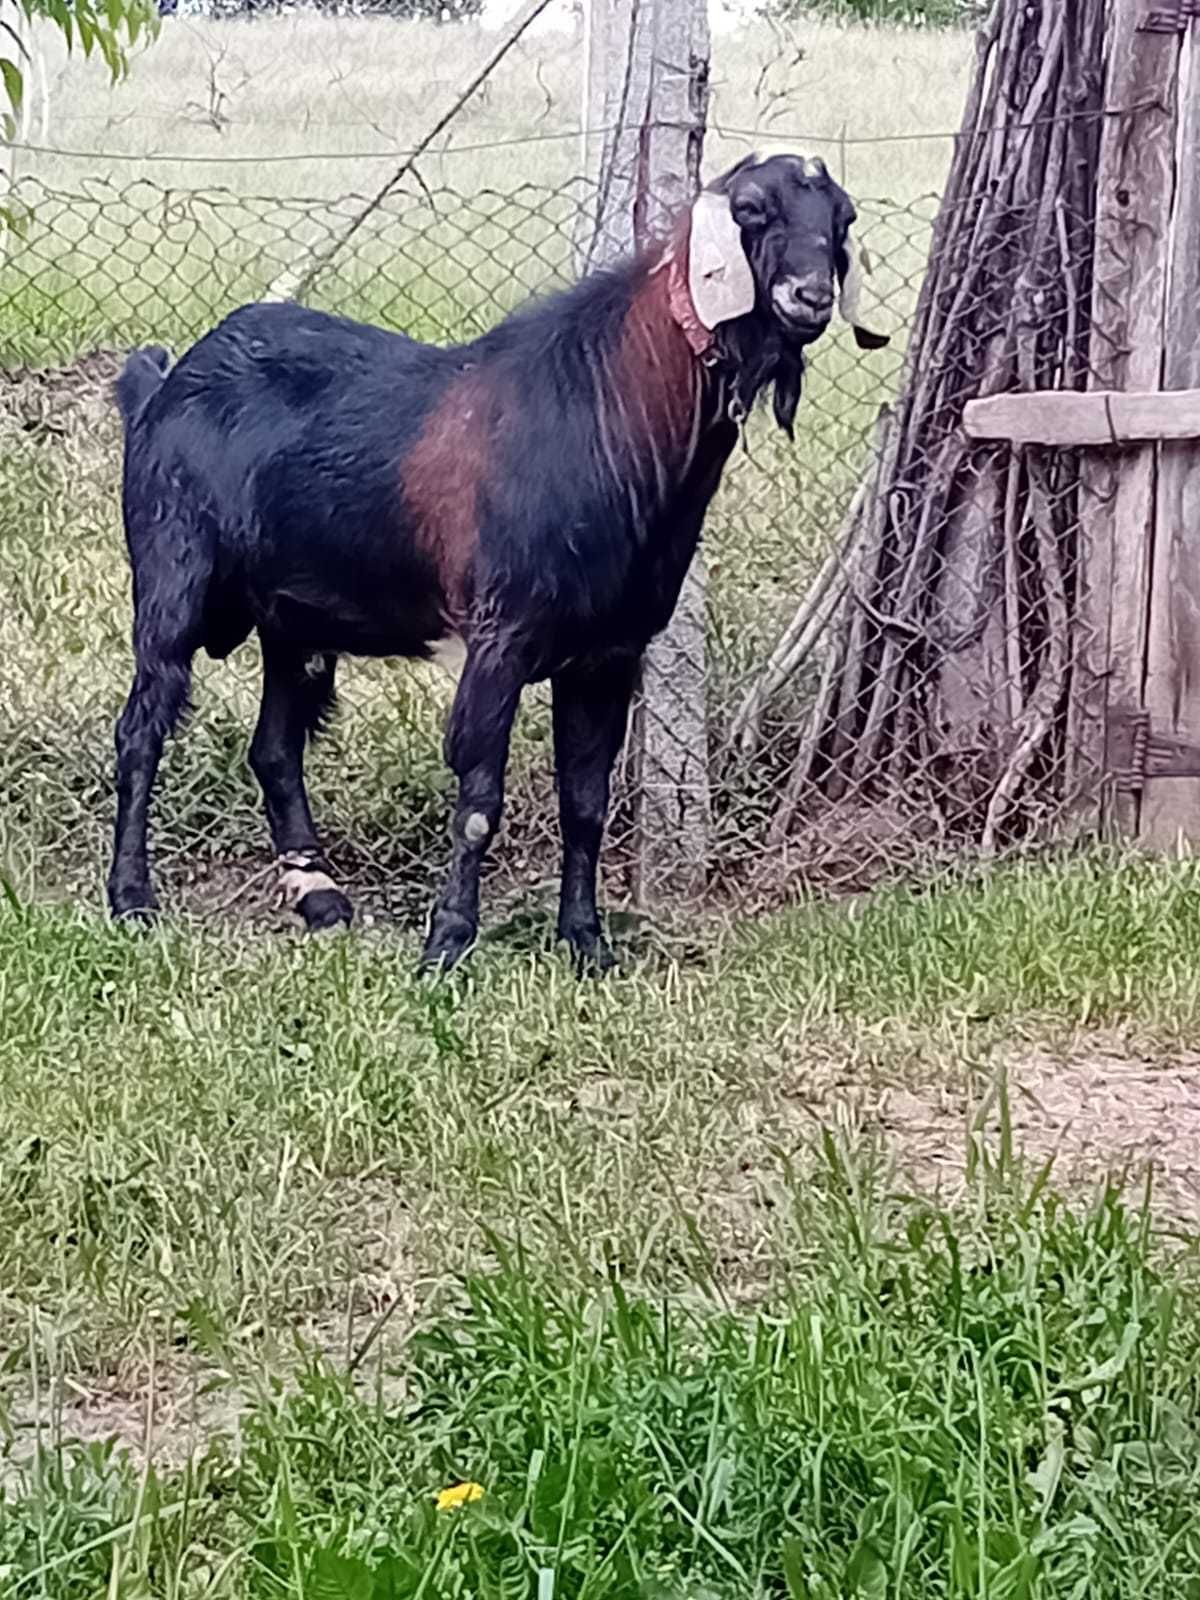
<point x="739" y="358"/>
<point x="667" y="413"/>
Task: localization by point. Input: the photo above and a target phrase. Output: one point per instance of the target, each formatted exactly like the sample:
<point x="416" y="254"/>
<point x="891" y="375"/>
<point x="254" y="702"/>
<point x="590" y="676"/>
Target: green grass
<point x="1085" y="941"/>
<point x="270" y="1181"/>
<point x="254" y="1123"/>
<point x="933" y="1402"/>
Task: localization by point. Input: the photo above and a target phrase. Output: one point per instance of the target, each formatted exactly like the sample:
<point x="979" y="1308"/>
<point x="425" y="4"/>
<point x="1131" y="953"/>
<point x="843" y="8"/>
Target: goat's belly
<point x="340" y="623"/>
<point x="416" y="639"/>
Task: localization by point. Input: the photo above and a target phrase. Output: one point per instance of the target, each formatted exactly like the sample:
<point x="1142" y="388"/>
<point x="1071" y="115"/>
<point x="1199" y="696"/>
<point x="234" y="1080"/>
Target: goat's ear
<point x="789" y="381"/>
<point x="719" y="277"/>
<point x="852" y="265"/>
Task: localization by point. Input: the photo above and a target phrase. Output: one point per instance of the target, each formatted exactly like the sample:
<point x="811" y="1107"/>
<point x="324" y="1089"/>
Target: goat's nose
<point x="807" y="296"/>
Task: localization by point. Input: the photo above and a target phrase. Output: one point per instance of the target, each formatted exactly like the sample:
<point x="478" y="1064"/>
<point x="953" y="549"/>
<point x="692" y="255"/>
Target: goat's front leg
<point x="477" y="753"/>
<point x="591" y="713"/>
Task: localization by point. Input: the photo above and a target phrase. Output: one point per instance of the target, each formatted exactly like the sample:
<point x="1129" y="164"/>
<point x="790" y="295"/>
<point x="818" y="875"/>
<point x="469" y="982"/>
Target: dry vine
<point x="946" y="614"/>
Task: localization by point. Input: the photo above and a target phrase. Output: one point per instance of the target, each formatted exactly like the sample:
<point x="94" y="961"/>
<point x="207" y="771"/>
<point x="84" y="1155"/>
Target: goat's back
<point x="281" y="412"/>
<point x="267" y="371"/>
<point x="274" y="445"/>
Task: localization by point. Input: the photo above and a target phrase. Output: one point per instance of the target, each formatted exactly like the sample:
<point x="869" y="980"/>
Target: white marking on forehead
<point x="450" y="653"/>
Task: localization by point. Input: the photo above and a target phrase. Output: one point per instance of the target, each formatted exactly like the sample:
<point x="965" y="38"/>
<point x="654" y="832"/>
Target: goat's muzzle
<point x="804" y="304"/>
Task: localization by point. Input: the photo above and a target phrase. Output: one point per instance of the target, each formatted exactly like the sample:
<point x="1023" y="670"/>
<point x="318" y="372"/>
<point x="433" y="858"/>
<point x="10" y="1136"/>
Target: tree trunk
<point x="950" y="665"/>
<point x="647" y="88"/>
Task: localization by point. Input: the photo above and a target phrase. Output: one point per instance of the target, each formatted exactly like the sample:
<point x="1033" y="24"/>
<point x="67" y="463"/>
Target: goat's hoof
<point x="591" y="954"/>
<point x="133" y="908"/>
<point x="450" y="938"/>
<point x="323" y="909"/>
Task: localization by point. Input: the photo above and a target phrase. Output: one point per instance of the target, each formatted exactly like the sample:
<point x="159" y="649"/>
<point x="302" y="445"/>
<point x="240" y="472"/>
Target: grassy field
<point x="234" y="150"/>
<point x="789" y="1263"/>
<point x="749" y="1274"/>
<point x="308" y="105"/>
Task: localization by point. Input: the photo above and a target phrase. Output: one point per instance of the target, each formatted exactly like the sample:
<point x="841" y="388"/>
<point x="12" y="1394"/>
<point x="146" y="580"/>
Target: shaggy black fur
<point x="538" y="494"/>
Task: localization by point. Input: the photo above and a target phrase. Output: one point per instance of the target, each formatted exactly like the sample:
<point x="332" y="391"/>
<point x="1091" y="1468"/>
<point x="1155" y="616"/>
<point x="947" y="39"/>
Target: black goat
<point x="535" y="496"/>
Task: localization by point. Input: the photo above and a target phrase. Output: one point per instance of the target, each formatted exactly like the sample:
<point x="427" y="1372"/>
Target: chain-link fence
<point x="867" y="711"/>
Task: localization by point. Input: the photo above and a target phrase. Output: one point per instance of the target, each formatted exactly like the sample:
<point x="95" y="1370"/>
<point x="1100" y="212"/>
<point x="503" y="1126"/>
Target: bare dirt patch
<point x="1098" y="1108"/>
<point x="189" y="1398"/>
<point x="52" y="402"/>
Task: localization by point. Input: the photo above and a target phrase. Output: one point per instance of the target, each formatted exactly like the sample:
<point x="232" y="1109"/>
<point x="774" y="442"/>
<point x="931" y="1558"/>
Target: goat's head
<point x="771" y="237"/>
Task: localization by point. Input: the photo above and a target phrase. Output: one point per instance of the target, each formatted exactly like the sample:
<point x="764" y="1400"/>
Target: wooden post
<point x="648" y="88"/>
<point x="617" y="61"/>
<point x="1135" y="193"/>
<point x="1171" y="806"/>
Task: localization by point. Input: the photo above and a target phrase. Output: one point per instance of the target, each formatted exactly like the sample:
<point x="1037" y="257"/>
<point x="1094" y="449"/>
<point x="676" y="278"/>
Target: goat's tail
<point x="139" y="378"/>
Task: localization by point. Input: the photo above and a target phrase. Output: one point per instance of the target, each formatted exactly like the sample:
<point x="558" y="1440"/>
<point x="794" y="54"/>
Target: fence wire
<point x="862" y="714"/>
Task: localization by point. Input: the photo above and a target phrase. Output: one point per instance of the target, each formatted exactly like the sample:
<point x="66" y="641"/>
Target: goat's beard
<point x="799" y="335"/>
<point x="789" y="383"/>
<point x="763" y="355"/>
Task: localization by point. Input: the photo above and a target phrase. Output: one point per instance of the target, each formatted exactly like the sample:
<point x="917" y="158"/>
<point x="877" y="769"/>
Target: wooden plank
<point x="1135" y="191"/>
<point x="1070" y="419"/>
<point x="1171" y="806"/>
<point x="1168" y="16"/>
<point x="976" y="687"/>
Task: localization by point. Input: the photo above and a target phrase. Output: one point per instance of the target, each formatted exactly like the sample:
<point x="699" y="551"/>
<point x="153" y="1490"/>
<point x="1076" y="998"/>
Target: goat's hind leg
<point x="169" y="593"/>
<point x="298" y="694"/>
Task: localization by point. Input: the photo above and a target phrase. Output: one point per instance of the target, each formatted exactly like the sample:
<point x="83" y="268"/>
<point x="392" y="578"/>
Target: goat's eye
<point x="750" y="214"/>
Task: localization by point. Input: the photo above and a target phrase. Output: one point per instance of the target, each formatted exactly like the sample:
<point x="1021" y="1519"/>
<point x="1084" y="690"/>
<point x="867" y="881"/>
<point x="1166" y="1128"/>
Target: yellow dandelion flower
<point x="458" y="1495"/>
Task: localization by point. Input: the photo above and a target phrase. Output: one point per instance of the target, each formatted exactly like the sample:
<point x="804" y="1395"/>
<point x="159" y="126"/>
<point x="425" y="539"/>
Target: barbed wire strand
<point x="477" y="147"/>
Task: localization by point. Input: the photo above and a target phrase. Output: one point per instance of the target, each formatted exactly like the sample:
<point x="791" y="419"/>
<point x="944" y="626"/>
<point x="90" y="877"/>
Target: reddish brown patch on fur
<point x="679" y="294"/>
<point x="441" y="478"/>
<point x="656" y="363"/>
